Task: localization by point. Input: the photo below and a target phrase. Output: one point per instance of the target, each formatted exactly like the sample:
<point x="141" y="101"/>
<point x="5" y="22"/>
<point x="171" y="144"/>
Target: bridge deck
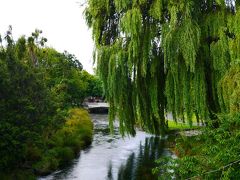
<point x="94" y="107"/>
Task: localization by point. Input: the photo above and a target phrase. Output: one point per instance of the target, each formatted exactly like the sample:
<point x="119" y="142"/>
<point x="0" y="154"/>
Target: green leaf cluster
<point x="212" y="155"/>
<point x="157" y="57"/>
<point x="38" y="85"/>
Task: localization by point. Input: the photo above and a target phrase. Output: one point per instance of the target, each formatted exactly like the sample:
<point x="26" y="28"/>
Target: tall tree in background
<point x="159" y="56"/>
<point x="38" y="86"/>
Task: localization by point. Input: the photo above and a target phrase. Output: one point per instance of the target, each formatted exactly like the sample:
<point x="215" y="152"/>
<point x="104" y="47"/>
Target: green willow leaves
<point x="161" y="56"/>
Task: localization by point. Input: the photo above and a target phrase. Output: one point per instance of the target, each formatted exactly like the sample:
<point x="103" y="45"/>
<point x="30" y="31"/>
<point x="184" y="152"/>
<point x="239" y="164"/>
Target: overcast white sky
<point x="61" y="21"/>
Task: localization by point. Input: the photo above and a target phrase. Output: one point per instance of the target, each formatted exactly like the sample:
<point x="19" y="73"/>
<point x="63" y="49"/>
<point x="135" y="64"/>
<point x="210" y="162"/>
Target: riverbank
<point x="112" y="157"/>
<point x="66" y="143"/>
<point x="60" y="153"/>
<point x="179" y="130"/>
<point x="210" y="153"/>
<point x="56" y="149"/>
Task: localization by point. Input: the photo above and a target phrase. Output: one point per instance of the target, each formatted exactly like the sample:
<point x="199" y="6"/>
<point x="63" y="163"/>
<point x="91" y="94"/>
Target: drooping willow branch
<point x="157" y="57"/>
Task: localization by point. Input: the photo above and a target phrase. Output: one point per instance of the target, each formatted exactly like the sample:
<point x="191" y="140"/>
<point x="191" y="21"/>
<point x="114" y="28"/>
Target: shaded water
<point x="110" y="157"/>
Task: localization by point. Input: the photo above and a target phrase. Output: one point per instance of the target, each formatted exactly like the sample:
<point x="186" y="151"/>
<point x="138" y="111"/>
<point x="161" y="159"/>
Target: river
<point x="111" y="157"/>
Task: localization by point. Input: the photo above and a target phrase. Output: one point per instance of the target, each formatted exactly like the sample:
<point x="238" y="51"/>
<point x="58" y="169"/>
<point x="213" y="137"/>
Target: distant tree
<point x="95" y="86"/>
<point x="64" y="76"/>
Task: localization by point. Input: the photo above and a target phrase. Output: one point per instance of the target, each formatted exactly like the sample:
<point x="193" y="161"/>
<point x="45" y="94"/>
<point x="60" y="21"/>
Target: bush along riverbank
<point x="56" y="150"/>
<point x="211" y="154"/>
<point x="66" y="143"/>
<point x="40" y="129"/>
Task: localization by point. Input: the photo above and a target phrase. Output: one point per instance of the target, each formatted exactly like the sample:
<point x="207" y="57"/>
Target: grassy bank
<point x="66" y="142"/>
<point x="213" y="154"/>
<point x="176" y="128"/>
<point x="174" y="131"/>
<point x="180" y="126"/>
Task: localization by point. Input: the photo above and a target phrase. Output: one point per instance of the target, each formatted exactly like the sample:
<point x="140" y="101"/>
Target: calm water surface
<point x="110" y="157"/>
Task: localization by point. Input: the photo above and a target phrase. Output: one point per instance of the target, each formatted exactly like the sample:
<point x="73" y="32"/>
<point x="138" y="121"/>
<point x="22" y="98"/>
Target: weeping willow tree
<point x="160" y="56"/>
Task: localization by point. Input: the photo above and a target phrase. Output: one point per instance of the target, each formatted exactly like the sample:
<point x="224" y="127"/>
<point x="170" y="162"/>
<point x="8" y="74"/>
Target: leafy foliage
<point x="66" y="142"/>
<point x="38" y="85"/>
<point x="94" y="85"/>
<point x="164" y="56"/>
<point x="25" y="103"/>
<point x="230" y="90"/>
<point x="212" y="155"/>
<point x="64" y="77"/>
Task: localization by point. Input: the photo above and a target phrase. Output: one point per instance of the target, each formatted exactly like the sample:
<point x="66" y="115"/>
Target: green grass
<point x="180" y="126"/>
<point x="194" y="118"/>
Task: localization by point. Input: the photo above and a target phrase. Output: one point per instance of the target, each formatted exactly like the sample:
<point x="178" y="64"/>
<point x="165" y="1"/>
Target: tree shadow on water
<point x="139" y="166"/>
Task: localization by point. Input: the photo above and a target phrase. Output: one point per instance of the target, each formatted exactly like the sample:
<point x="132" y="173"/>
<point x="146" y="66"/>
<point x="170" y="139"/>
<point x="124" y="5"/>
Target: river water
<point x="111" y="157"/>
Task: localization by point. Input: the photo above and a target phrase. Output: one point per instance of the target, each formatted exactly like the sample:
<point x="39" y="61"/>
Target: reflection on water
<point x="139" y="166"/>
<point x="110" y="157"/>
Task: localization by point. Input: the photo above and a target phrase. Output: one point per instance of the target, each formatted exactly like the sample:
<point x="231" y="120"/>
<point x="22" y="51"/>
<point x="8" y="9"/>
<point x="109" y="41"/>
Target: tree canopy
<point x="38" y="86"/>
<point x="160" y="56"/>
